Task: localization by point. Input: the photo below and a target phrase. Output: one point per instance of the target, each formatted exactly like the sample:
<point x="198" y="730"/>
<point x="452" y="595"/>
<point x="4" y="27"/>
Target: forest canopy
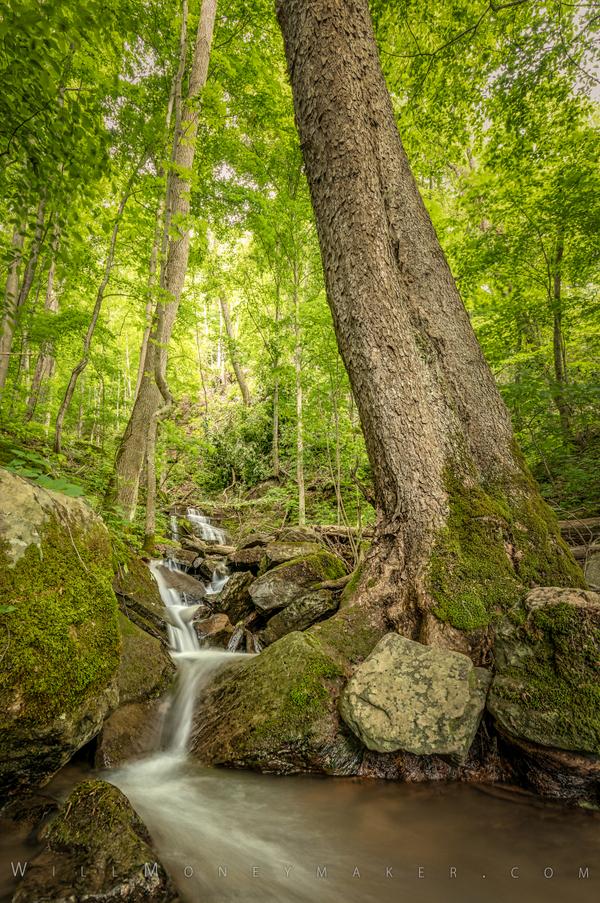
<point x="497" y="106"/>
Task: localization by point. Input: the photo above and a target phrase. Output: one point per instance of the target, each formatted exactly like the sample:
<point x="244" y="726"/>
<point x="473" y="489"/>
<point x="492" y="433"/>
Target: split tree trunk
<point x="154" y="396"/>
<point x="437" y="433"/>
<point x="233" y="354"/>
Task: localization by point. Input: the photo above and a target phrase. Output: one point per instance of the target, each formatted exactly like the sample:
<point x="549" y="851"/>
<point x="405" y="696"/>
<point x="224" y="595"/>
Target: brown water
<point x="232" y="836"/>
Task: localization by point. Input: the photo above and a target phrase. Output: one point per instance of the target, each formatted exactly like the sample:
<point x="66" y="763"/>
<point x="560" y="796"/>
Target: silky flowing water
<point x="238" y="836"/>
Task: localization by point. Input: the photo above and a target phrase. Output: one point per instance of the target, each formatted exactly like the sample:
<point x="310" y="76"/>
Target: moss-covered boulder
<point x="96" y="849"/>
<point x="277" y="711"/>
<point x="547" y="684"/>
<point x="279" y="552"/>
<point x="58" y="627"/>
<point x="287" y="582"/>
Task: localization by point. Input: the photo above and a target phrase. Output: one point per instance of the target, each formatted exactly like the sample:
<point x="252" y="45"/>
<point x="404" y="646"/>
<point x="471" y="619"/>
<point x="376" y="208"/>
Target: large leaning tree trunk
<point x="153" y="397"/>
<point x="462" y="529"/>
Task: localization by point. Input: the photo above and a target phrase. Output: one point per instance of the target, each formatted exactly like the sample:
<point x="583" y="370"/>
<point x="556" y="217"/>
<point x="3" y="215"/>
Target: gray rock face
<point x="592" y="569"/>
<point x="547" y="685"/>
<point x="247" y="559"/>
<point x="290" y="581"/>
<point x="299" y="615"/>
<point x="419" y="699"/>
<point x="234" y="599"/>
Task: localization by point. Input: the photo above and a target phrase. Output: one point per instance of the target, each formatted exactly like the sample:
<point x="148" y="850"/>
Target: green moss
<point x="324" y="565"/>
<point x="554" y="689"/>
<point x="351" y="586"/>
<point x="145" y="668"/>
<point x="63" y="640"/>
<point x="497" y="543"/>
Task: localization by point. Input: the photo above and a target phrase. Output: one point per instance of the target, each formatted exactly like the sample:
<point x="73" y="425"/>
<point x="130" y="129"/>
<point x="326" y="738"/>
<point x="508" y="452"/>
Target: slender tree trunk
<point x="153" y="389"/>
<point x="44" y="367"/>
<point x="16" y="297"/>
<point x="150" y="523"/>
<point x="299" y="402"/>
<point x="233" y="354"/>
<point x="457" y="510"/>
<point x="558" y="343"/>
<point x="275" y="443"/>
<point x="87" y="342"/>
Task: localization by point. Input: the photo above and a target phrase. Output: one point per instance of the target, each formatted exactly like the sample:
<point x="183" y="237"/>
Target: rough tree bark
<point x="461" y="526"/>
<point x="231" y="347"/>
<point x="154" y="396"/>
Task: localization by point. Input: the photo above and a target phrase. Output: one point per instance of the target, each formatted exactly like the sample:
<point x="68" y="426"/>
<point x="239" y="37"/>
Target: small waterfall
<point x="174" y="527"/>
<point x="203" y="527"/>
<point x="219" y="578"/>
<point x="195" y="664"/>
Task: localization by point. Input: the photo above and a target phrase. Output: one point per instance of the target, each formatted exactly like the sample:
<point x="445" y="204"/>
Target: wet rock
<point x="288" y="582"/>
<point x="145" y="672"/>
<point x="246" y="559"/>
<point x="129" y="733"/>
<point x="546" y="687"/>
<point x="424" y="700"/>
<point x="194" y="590"/>
<point x="234" y="599"/>
<point x="96" y="849"/>
<point x="299" y="615"/>
<point x="139" y="598"/>
<point x="277" y="711"/>
<point x="58" y="632"/>
<point x="554" y="773"/>
<point x="215" y="630"/>
<point x="278" y="552"/>
<point x="146" y="668"/>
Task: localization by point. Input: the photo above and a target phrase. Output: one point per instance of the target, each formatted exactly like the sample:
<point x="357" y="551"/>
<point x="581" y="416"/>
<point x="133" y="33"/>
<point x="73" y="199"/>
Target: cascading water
<point x="231" y="836"/>
<point x="203" y="527"/>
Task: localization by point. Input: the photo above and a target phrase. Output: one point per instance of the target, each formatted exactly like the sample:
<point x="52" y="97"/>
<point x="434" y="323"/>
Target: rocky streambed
<point x="278" y="670"/>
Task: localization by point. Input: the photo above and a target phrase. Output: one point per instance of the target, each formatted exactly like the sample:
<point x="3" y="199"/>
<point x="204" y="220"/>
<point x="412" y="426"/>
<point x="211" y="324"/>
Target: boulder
<point x="139" y="598"/>
<point x="546" y="689"/>
<point x="145" y="671"/>
<point x="96" y="849"/>
<point x="246" y="559"/>
<point x="193" y="589"/>
<point x="592" y="569"/>
<point x="58" y="630"/>
<point x="299" y="615"/>
<point x="234" y="599"/>
<point x="278" y="552"/>
<point x="277" y="711"/>
<point x="255" y="539"/>
<point x="146" y="668"/>
<point x="297" y="534"/>
<point x="421" y="699"/>
<point x="215" y="630"/>
<point x="288" y="582"/>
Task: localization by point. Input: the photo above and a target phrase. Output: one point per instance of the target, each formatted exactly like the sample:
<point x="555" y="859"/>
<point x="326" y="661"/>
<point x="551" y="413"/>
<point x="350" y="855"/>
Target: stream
<point x="239" y="836"/>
